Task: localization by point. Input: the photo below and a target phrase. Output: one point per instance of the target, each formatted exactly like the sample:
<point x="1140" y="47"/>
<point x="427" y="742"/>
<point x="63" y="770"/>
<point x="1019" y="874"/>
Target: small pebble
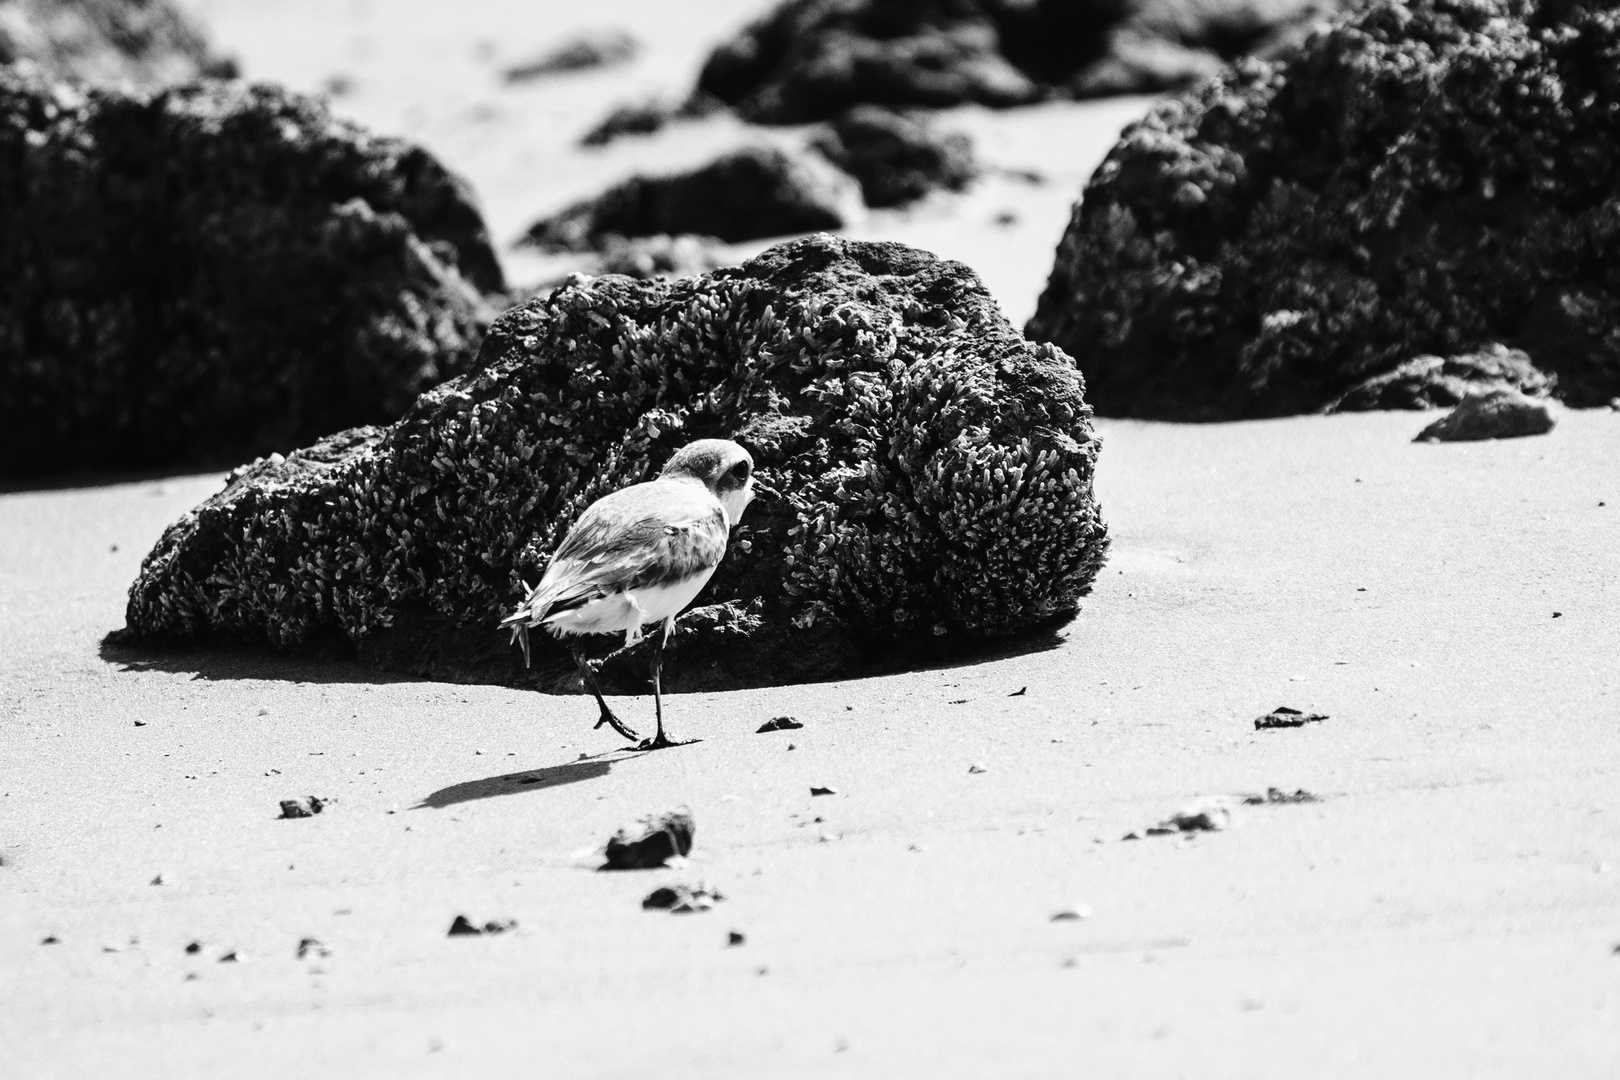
<point x="977" y="767"/>
<point x="734" y="938"/>
<point x="1072" y="914"/>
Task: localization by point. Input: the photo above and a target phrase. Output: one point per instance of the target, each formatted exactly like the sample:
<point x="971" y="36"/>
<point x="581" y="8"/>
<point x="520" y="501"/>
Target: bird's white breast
<point x="626" y="612"/>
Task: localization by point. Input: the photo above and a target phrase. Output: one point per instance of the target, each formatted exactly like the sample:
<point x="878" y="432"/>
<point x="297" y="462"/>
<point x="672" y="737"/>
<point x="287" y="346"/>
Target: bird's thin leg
<point x="589" y="675"/>
<point x="659" y="741"/>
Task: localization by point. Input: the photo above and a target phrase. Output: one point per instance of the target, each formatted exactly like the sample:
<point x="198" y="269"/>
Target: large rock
<point x="142" y="42"/>
<point x="1494" y="414"/>
<point x="897" y="158"/>
<point x="1428" y="178"/>
<point x="1429" y="382"/>
<point x="926" y="478"/>
<point x="216" y="271"/>
<point x="813" y="59"/>
<point x="753" y="193"/>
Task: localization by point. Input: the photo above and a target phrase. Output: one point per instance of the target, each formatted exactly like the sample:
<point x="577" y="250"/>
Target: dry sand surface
<point x="1451" y="906"/>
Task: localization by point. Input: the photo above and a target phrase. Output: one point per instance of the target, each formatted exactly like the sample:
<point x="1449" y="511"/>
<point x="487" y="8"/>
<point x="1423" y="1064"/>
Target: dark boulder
<point x="648" y="116"/>
<point x="1429" y="382"/>
<point x="1495" y="414"/>
<point x="139" y="42"/>
<point x="926" y="479"/>
<point x="213" y="271"/>
<point x="813" y="59"/>
<point x="897" y="158"/>
<point x="1428" y="178"/>
<point x="749" y="194"/>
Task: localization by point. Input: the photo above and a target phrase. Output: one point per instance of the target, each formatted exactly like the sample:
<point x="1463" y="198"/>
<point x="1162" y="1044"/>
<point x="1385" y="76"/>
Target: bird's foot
<point x="618" y="725"/>
<point x="663" y="742"/>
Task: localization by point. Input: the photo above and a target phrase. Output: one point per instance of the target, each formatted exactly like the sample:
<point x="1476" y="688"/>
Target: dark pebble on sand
<point x="1284" y="717"/>
<point x="1277" y="796"/>
<point x="779" y="723"/>
<point x="664" y="838"/>
<point x="308" y="806"/>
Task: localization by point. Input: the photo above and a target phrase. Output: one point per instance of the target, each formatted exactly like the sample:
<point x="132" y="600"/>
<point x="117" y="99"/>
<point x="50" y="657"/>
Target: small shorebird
<point x="639" y="556"/>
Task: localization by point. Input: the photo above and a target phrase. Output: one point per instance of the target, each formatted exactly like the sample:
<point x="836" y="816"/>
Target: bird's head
<point x="720" y="465"/>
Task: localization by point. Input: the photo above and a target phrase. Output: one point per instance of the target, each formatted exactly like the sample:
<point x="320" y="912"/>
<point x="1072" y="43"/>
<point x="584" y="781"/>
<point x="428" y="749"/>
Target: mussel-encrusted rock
<point x="216" y="271"/>
<point x="144" y="42"/>
<point x="897" y="158"/>
<point x="752" y="193"/>
<point x="926" y="477"/>
<point x="812" y="59"/>
<point x="1429" y="177"/>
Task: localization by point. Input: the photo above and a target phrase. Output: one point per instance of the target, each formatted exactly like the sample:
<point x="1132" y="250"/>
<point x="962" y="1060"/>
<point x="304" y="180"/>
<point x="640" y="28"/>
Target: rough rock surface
<point x="661" y="256"/>
<point x="897" y="158"/>
<point x="1429" y="382"/>
<point x="143" y="42"/>
<point x="216" y="271"/>
<point x="748" y="194"/>
<point x="1429" y="177"/>
<point x="1495" y="414"/>
<point x="813" y="59"/>
<point x="925" y="477"/>
<point x="647" y="116"/>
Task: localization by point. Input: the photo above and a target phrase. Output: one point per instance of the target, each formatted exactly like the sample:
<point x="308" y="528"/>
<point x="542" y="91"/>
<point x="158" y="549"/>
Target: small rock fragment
<point x="231" y="957"/>
<point x="779" y="723"/>
<point x="50" y="939"/>
<point x="1496" y="414"/>
<point x="1072" y="914"/>
<point x="665" y="838"/>
<point x="734" y="939"/>
<point x="158" y="880"/>
<point x="1284" y="717"/>
<point x="312" y="947"/>
<point x="194" y="948"/>
<point x="977" y="767"/>
<point x="1276" y="796"/>
<point x="1212" y="817"/>
<point x="823" y="791"/>
<point x="464" y="927"/>
<point x="1020" y="692"/>
<point x="308" y="806"/>
<point x="682" y="899"/>
<point x="140" y="723"/>
<point x="594" y="49"/>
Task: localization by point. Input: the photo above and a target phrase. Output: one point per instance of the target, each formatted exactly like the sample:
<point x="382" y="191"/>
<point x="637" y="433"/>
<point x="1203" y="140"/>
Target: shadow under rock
<point x="223" y="663"/>
<point x="102" y="478"/>
<point x="517" y="783"/>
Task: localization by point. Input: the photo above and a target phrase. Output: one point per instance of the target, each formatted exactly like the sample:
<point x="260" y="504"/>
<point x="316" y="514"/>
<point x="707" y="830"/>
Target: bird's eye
<point x="739" y="472"/>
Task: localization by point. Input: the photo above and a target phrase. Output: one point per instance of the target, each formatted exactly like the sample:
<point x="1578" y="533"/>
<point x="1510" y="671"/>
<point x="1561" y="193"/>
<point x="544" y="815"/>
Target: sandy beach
<point x="1450" y="906"/>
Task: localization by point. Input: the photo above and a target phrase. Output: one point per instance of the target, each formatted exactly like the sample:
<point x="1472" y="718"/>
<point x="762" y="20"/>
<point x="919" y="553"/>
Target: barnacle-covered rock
<point x="1429" y="382"/>
<point x="749" y="194"/>
<point x="143" y="42"/>
<point x="1494" y="414"/>
<point x="926" y="479"/>
<point x="219" y="270"/>
<point x="813" y="59"/>
<point x="897" y="158"/>
<point x="1429" y="177"/>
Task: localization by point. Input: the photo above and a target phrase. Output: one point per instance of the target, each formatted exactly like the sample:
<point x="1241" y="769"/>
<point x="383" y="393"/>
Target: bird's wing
<point x="649" y="534"/>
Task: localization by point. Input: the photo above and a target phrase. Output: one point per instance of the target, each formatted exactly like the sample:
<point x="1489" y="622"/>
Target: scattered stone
<point x="1231" y="259"/>
<point x="1020" y="692"/>
<point x="158" y="880"/>
<point x="896" y="157"/>
<point x="810" y="355"/>
<point x="1276" y="796"/>
<point x="1430" y="382"/>
<point x="748" y="194"/>
<point x="682" y="899"/>
<point x="312" y="947"/>
<point x="231" y="957"/>
<point x="109" y="42"/>
<point x="779" y="723"/>
<point x="367" y="260"/>
<point x="646" y="117"/>
<point x="1284" y="717"/>
<point x="140" y="723"/>
<point x="1213" y="817"/>
<point x="595" y="49"/>
<point x="50" y="939"/>
<point x="1072" y="914"/>
<point x="194" y="948"/>
<point x="664" y="838"/>
<point x="1495" y="414"/>
<point x="977" y="767"/>
<point x="464" y="927"/>
<point x="823" y="791"/>
<point x="308" y="806"/>
<point x="734" y="939"/>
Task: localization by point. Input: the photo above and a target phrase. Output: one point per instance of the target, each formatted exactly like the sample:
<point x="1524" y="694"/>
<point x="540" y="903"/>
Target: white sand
<point x="1450" y="909"/>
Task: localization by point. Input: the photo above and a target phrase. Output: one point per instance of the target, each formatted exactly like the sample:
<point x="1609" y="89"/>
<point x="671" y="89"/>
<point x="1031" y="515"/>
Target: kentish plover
<point x="638" y="557"/>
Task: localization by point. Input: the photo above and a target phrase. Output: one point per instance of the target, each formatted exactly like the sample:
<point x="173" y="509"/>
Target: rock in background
<point x="897" y="158"/>
<point x="752" y="193"/>
<point x="1425" y="179"/>
<point x="140" y="42"/>
<point x="209" y="272"/>
<point x="813" y="59"/>
<point x="926" y="478"/>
